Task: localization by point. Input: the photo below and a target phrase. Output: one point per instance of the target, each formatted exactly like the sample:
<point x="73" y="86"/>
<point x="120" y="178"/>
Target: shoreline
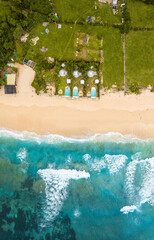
<point x="44" y="114"/>
<point x="76" y="121"/>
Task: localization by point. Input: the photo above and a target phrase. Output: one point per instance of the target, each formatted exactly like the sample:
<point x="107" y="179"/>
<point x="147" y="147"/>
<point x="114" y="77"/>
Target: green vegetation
<point x="71" y="11"/>
<point x="79" y="43"/>
<point x="16" y="17"/>
<point x="139" y="58"/>
<point x="142" y="15"/>
<point x="113" y="58"/>
<point x="126" y="25"/>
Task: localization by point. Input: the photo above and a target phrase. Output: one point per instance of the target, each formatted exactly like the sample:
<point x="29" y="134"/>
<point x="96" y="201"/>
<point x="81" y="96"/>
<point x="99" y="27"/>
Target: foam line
<point x="54" y="138"/>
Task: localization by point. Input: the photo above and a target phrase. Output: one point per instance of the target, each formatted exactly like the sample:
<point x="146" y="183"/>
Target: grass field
<point x="113" y="73"/>
<point x="72" y="11"/>
<point x="62" y="44"/>
<point x="139" y="58"/>
<point x="142" y="15"/>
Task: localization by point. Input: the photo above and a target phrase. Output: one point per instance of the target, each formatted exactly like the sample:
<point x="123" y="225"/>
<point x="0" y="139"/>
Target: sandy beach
<point x="114" y="112"/>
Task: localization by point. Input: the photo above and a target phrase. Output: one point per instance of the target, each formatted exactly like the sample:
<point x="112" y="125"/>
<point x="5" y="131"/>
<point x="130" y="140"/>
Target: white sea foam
<point x="97" y="164"/>
<point x="140" y="184"/>
<point x="129" y="183"/>
<point x="86" y="157"/>
<point x="77" y="213"/>
<point x="128" y="209"/>
<point x="54" y="138"/>
<point x="146" y="191"/>
<point x="111" y="162"/>
<point x="69" y="159"/>
<point x="56" y="182"/>
<point x="21" y="154"/>
<point x="115" y="162"/>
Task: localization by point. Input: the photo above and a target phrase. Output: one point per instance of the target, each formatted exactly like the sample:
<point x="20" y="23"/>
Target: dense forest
<point x="16" y="17"/>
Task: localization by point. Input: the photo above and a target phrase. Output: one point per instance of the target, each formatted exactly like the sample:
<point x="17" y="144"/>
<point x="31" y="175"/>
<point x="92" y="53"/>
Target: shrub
<point x="134" y="88"/>
<point x="152" y="89"/>
<point x="15" y="69"/>
<point x="2" y="81"/>
<point x="38" y="83"/>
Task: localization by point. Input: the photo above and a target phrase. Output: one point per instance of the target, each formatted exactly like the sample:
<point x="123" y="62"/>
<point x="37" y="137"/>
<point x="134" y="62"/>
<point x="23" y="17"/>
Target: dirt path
<point x="25" y="77"/>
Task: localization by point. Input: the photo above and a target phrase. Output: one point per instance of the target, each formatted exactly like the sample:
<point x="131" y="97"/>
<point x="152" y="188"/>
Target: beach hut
<point x="75" y="92"/>
<point x="93" y="92"/>
<point x="11" y="81"/>
<point x="91" y="73"/>
<point x="67" y="91"/>
<point x="62" y="73"/>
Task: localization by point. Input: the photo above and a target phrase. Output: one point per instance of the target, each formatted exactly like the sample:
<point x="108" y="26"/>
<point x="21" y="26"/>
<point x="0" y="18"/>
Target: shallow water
<point x="53" y="187"/>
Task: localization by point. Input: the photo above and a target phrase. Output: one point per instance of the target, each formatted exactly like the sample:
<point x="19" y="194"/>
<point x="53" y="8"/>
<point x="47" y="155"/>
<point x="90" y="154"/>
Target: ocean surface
<point x="92" y="188"/>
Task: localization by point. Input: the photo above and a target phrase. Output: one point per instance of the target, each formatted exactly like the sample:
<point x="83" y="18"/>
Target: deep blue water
<point x="98" y="188"/>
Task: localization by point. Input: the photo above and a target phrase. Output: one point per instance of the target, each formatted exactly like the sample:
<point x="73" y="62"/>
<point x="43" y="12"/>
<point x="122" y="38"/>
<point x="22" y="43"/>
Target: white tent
<point x="63" y="65"/>
<point x="62" y="73"/>
<point x="91" y="73"/>
<point x="76" y="74"/>
<point x="96" y="81"/>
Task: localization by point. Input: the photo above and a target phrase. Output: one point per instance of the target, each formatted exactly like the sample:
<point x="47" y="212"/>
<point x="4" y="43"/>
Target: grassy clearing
<point x="56" y="41"/>
<point x="142" y="15"/>
<point x="112" y="53"/>
<point x="139" y="58"/>
<point x="62" y="44"/>
<point x="70" y="11"/>
<point x="113" y="72"/>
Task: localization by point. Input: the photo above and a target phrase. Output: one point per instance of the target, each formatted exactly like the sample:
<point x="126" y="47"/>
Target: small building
<point x="68" y="81"/>
<point x="82" y="82"/>
<point x="10" y="88"/>
<point x="59" y="26"/>
<point x="115" y="2"/>
<point x="29" y="63"/>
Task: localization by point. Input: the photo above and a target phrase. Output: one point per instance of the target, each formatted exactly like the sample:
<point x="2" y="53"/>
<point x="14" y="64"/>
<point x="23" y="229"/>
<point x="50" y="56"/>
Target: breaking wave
<point x="56" y="182"/>
<point x="128" y="209"/>
<point x="112" y="162"/>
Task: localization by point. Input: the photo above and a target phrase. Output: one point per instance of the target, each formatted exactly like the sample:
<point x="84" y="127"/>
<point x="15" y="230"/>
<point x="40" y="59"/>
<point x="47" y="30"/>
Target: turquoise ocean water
<point x="96" y="188"/>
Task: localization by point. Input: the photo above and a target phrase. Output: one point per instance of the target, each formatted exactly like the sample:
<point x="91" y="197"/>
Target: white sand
<point x="131" y="114"/>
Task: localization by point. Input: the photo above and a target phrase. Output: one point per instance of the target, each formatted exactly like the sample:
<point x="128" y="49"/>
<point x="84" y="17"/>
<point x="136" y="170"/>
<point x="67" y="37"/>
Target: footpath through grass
<point x="139" y="58"/>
